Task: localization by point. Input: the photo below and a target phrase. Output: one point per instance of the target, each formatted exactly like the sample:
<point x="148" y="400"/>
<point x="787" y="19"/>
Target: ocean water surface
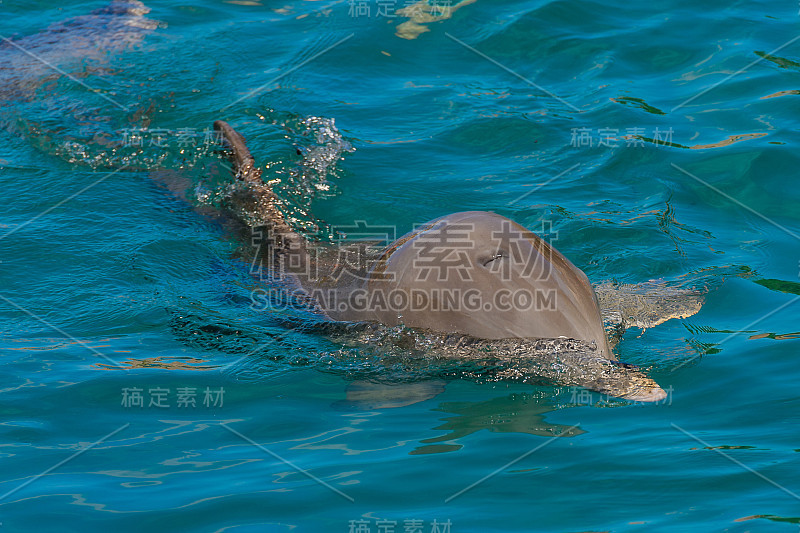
<point x="141" y="390"/>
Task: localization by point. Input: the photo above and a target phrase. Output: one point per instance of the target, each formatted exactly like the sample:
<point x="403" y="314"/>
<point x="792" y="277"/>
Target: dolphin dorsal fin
<point x="257" y="205"/>
<point x="244" y="164"/>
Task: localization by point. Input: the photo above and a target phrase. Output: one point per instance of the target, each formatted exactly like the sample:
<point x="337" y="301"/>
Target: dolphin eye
<point x="494" y="257"/>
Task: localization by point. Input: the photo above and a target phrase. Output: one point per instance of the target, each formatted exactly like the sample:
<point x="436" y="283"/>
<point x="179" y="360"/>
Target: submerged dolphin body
<point x="476" y="286"/>
<point x="78" y="45"/>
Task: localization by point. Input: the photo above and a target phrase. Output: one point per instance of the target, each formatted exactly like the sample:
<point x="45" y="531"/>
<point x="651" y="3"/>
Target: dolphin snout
<point x="653" y="393"/>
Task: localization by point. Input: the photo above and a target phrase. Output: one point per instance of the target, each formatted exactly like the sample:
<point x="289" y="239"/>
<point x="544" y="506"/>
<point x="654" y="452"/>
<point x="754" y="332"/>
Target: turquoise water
<point x="658" y="140"/>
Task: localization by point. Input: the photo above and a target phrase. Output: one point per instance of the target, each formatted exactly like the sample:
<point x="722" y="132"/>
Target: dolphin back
<point x="481" y="274"/>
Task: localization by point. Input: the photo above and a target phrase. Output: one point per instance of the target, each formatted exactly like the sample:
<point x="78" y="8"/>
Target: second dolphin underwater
<point x="446" y="279"/>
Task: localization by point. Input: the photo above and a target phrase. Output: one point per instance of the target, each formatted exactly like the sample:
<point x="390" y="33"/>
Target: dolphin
<point x="476" y="285"/>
